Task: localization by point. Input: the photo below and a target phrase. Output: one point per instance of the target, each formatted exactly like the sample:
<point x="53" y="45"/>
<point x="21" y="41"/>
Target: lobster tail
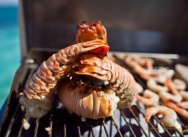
<point x="120" y="80"/>
<point x="87" y="102"/>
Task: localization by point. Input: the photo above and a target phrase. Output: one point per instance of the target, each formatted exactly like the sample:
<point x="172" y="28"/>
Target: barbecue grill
<point x="48" y="26"/>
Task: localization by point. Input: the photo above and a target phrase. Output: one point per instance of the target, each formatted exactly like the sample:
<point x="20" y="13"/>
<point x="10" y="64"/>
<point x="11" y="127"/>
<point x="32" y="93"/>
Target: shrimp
<point x="175" y="96"/>
<point x="179" y="84"/>
<point x="142" y="66"/>
<point x="149" y="98"/>
<point x="158" y="78"/>
<point x="181" y="72"/>
<point x="184" y="95"/>
<point x="132" y="60"/>
<point x="165" y="96"/>
<point x="118" y="78"/>
<point x="38" y="94"/>
<point x="165" y="72"/>
<point x="159" y="75"/>
<point x="169" y="84"/>
<point x="152" y="85"/>
<point x="169" y="116"/>
<point x="142" y="61"/>
<point x="184" y="104"/>
<point x="180" y="111"/>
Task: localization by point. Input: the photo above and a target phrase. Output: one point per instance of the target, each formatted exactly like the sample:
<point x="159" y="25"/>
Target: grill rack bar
<point x="51" y="125"/>
<point x="79" y="133"/>
<point x="65" y="133"/>
<point x="11" y="122"/>
<point x="36" y="127"/>
<point x="90" y="128"/>
<point x="130" y="128"/>
<point x="150" y="124"/>
<point x="105" y="128"/>
<point x="138" y="121"/>
<point x="20" y="131"/>
<point x="115" y="124"/>
<point x="153" y="127"/>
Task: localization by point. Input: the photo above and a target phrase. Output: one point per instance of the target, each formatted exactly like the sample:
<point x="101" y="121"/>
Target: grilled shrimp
<point x="87" y="102"/>
<point x="175" y="96"/>
<point x="179" y="84"/>
<point x="149" y="98"/>
<point x="116" y="77"/>
<point x="152" y="85"/>
<point x="169" y="116"/>
<point x="184" y="103"/>
<point x="38" y="93"/>
<point x="160" y="75"/>
<point x="166" y="72"/>
<point x="184" y="95"/>
<point x="166" y="96"/>
<point x="176" y="108"/>
<point x="169" y="84"/>
<point x="142" y="66"/>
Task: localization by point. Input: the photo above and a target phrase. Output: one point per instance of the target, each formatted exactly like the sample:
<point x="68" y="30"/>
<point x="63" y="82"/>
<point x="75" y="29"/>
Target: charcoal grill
<point x="44" y="31"/>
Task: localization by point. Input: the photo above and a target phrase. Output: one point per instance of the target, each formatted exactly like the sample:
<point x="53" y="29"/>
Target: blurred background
<point x="9" y="46"/>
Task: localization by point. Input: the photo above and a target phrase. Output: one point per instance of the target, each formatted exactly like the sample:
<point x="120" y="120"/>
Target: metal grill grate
<point x="125" y="122"/>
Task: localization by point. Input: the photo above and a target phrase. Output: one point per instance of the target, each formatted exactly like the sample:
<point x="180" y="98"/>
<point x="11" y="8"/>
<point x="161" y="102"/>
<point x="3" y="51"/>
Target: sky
<point x="8" y="2"/>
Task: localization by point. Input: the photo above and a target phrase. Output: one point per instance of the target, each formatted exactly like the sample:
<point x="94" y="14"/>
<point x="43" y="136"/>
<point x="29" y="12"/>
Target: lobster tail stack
<point x="88" y="83"/>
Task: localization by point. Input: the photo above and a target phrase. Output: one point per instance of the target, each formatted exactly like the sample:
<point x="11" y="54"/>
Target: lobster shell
<point x="119" y="79"/>
<point x="87" y="102"/>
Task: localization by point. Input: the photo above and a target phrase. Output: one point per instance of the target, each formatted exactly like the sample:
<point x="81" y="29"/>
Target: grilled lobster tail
<point x="119" y="79"/>
<point x="85" y="62"/>
<point x="86" y="101"/>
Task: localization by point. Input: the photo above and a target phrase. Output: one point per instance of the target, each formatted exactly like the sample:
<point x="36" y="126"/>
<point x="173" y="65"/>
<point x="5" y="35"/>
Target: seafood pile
<point x="87" y="82"/>
<point x="165" y="93"/>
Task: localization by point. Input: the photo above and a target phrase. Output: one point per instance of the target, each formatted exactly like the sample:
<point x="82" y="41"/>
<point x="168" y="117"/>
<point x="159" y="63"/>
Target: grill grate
<point x="60" y="123"/>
